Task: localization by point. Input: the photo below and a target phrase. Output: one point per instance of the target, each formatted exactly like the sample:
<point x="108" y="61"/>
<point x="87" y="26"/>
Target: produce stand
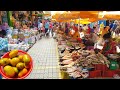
<point x="72" y="55"/>
<point x="23" y="40"/>
<point x="18" y="41"/>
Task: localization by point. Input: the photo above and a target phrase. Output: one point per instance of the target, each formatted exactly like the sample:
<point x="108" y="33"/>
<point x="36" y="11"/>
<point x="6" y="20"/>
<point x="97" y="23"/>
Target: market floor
<point x="45" y="60"/>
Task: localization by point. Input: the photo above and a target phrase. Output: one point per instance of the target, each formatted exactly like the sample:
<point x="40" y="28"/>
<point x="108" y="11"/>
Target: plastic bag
<point x="3" y="45"/>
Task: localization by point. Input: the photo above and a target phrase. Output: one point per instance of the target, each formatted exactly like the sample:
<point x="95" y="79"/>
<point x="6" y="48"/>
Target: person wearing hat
<point x="109" y="45"/>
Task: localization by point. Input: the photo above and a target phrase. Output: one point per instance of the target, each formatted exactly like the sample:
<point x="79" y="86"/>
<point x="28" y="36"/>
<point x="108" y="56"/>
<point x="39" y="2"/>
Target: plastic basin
<point x="6" y="55"/>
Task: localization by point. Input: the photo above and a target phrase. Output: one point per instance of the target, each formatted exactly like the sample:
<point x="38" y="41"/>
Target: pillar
<point x="9" y="15"/>
<point x="33" y="12"/>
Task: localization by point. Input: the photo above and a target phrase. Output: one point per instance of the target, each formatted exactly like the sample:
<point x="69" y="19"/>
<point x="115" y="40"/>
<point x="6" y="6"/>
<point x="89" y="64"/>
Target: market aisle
<point x="45" y="59"/>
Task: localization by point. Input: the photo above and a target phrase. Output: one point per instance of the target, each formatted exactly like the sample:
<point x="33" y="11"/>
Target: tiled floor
<point x="45" y="60"/>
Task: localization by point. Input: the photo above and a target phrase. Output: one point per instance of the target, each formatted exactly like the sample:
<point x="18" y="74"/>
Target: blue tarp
<point x="91" y="25"/>
<point x="100" y="21"/>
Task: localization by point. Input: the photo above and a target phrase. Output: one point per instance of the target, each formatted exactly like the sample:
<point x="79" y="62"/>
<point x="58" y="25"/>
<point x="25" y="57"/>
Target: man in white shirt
<point x="40" y="26"/>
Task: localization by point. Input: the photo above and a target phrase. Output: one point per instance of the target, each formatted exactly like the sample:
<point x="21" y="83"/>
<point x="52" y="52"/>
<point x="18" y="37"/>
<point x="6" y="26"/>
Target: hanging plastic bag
<point x="3" y="45"/>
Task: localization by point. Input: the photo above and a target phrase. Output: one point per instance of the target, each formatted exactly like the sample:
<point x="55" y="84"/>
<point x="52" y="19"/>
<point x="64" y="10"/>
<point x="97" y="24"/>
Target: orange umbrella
<point x="85" y="14"/>
<point x="93" y="15"/>
<point x="113" y="17"/>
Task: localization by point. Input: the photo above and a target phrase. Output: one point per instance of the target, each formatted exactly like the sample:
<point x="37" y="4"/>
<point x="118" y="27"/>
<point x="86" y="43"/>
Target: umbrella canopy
<point x="76" y="15"/>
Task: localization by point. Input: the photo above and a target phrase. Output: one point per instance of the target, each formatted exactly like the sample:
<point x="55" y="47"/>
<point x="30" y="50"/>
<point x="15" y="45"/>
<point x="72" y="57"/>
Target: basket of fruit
<point x="16" y="64"/>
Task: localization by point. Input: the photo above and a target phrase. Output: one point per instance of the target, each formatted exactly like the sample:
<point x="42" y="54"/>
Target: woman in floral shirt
<point x="109" y="46"/>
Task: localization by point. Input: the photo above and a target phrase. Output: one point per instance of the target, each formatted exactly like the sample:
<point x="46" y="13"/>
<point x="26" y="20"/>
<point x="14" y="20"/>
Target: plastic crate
<point x="117" y="72"/>
<point x="98" y="66"/>
<point x="109" y="73"/>
<point x="101" y="67"/>
<point x="94" y="74"/>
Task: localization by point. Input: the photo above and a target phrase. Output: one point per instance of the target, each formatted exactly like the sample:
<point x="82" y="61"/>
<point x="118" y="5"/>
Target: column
<point x="9" y="15"/>
<point x="33" y="12"/>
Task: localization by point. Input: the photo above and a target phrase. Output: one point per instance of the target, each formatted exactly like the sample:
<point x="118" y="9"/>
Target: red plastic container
<point x="104" y="68"/>
<point x="20" y="52"/>
<point x="101" y="67"/>
<point x="94" y="74"/>
<point x="109" y="73"/>
<point x="117" y="72"/>
<point x="98" y="66"/>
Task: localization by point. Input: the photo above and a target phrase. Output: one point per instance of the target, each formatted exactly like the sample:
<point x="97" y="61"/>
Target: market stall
<point x="79" y="63"/>
<point x="25" y="40"/>
<point x="80" y="42"/>
<point x="21" y="40"/>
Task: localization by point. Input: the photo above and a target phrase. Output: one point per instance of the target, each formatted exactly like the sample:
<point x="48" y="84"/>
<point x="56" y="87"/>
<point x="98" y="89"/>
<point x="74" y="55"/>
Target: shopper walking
<point x="40" y="26"/>
<point x="51" y="28"/>
<point x="54" y="30"/>
<point x="46" y="28"/>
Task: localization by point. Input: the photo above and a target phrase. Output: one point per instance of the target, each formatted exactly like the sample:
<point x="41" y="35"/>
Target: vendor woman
<point x="109" y="45"/>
